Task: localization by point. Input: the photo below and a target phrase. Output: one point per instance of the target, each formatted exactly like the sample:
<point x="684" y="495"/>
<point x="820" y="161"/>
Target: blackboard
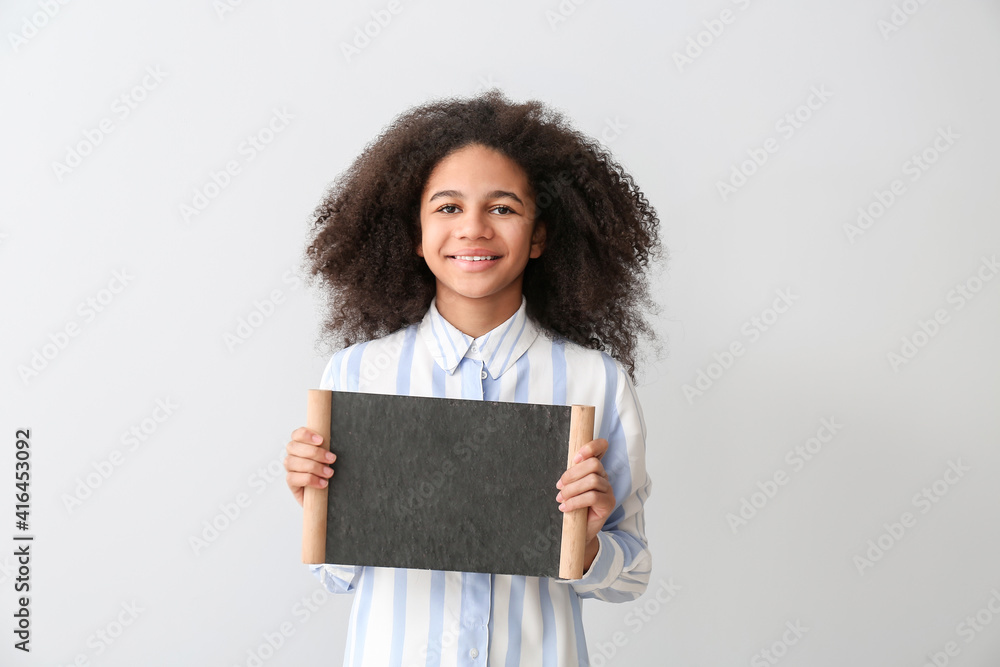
<point x="444" y="484"/>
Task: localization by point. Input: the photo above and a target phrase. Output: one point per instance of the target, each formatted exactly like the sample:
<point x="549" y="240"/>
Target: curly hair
<point x="589" y="286"/>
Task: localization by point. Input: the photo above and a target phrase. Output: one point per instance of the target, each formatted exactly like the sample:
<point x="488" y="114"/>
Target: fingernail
<point x="559" y="484"/>
<point x="330" y="456"/>
<point x="578" y="458"/>
<point x="327" y="470"/>
<point x="317" y="439"/>
<point x="322" y="482"/>
<point x="563" y="506"/>
<point x="559" y="496"/>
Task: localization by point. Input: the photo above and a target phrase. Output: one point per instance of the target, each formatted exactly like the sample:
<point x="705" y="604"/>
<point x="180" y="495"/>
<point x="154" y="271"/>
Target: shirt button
<point x="474" y="653"/>
<point x="483" y="375"/>
<point x="474" y="348"/>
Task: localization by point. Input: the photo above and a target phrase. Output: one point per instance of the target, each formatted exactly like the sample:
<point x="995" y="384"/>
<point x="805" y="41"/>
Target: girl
<point x="485" y="250"/>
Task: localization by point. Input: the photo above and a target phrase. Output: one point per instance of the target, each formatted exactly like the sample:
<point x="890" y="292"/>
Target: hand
<point x="307" y="462"/>
<point x="586" y="484"/>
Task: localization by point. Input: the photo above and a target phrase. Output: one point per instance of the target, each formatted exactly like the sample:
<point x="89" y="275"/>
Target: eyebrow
<point x="496" y="194"/>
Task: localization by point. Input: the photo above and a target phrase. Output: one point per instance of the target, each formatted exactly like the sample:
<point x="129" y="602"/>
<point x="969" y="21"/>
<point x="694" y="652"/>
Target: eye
<point x="442" y="209"/>
<point x="507" y="210"/>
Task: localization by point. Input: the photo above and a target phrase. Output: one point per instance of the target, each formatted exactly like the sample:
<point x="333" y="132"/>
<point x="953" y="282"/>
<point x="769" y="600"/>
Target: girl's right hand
<point x="307" y="463"/>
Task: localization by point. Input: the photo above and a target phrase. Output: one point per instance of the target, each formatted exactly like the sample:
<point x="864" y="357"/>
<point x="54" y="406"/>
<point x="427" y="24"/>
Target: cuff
<point x="335" y="578"/>
<point x="609" y="559"/>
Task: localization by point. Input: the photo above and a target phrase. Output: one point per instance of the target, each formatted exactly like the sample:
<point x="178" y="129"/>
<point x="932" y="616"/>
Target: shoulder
<point x="587" y="364"/>
<point x="353" y="360"/>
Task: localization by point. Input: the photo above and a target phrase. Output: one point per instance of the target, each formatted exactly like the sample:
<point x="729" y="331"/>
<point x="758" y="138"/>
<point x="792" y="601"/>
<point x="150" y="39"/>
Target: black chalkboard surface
<point x="444" y="484"/>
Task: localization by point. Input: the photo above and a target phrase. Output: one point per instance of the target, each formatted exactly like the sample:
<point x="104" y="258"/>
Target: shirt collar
<point x="499" y="349"/>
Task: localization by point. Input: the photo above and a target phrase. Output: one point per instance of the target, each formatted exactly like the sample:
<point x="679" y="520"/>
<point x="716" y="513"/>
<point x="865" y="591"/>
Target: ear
<point x="420" y="249"/>
<point x="538" y="239"/>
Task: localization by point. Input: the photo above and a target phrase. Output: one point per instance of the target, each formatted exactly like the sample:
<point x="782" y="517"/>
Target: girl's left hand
<point x="586" y="484"/>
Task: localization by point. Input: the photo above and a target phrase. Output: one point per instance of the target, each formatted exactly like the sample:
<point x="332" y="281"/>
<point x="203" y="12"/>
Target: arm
<point x="620" y="568"/>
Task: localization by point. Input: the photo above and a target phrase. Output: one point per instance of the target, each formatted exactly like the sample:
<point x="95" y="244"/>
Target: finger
<point x="297" y="480"/>
<point x="594" y="448"/>
<point x="587" y="499"/>
<point x="302" y="434"/>
<point x="581" y="470"/>
<point x="588" y="483"/>
<point x="299" y="464"/>
<point x="310" y="452"/>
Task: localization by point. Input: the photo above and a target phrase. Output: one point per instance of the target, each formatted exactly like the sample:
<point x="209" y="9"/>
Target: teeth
<point x="476" y="258"/>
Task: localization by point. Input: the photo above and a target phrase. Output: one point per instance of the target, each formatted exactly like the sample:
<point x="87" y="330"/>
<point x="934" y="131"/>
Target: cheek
<point x="420" y="234"/>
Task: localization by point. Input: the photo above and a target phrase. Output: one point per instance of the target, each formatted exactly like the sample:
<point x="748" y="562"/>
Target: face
<point x="477" y="202"/>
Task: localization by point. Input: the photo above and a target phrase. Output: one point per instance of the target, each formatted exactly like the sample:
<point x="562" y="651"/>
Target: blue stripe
<point x="643" y="495"/>
<point x="489" y="625"/>
<point x="523" y="370"/>
<point x="406" y="362"/>
<point x="398" y="616"/>
<point x="616" y="458"/>
<point x="581" y="642"/>
<point x="642" y="492"/>
<point x="610" y="392"/>
<point x="437" y="381"/>
<point x="472" y="383"/>
<point x="364" y="608"/>
<point x="465" y="610"/>
<point x="440" y="347"/>
<point x="558" y="373"/>
<point x="434" y="632"/>
<point x="447" y="335"/>
<point x="502" y="339"/>
<point x="491" y="389"/>
<point x="615" y="596"/>
<point x="635" y="399"/>
<point x="549" y="658"/>
<point x="513" y="345"/>
<point x="515" y="613"/>
<point x="332" y="377"/>
<point x="354" y="366"/>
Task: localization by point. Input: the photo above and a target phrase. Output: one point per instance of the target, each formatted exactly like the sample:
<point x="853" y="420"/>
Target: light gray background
<point x="716" y="597"/>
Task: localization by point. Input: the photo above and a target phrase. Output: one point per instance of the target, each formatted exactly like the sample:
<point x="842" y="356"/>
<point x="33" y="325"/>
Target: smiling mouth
<point x="475" y="258"/>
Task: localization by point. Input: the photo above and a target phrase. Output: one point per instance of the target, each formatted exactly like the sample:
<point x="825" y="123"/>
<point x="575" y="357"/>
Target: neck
<point x="475" y="317"/>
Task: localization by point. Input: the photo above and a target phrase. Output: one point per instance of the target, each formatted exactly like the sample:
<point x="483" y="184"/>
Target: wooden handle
<point x="574" y="532"/>
<point x="314" y="501"/>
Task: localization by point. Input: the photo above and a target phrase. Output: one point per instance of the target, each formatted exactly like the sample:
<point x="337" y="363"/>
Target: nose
<point x="474" y="224"/>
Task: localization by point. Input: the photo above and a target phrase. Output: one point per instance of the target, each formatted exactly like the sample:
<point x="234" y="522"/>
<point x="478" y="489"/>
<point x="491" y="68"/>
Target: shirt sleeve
<point x="335" y="578"/>
<point x="621" y="568"/>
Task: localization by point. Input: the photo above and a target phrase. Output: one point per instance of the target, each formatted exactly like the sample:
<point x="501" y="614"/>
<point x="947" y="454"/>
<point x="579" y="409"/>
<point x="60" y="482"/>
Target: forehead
<point x="477" y="167"/>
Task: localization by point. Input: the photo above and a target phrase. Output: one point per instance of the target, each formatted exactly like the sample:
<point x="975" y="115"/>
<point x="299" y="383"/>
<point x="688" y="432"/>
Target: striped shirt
<point x="428" y="618"/>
